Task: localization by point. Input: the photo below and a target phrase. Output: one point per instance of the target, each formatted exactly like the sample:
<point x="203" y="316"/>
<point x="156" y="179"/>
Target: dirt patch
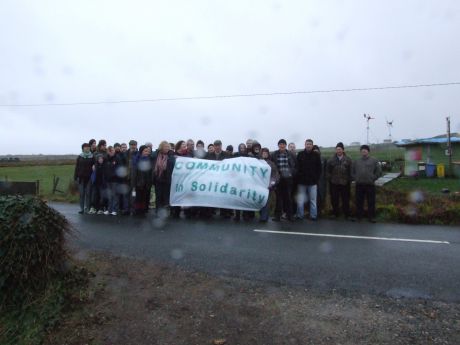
<point x="139" y="302"/>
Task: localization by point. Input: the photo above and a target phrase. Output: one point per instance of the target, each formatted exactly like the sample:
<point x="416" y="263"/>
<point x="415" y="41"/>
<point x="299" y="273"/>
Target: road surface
<point x="344" y="257"/>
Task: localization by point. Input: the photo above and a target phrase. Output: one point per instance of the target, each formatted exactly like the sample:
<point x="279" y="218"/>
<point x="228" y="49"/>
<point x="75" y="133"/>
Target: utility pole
<point x="368" y="118"/>
<point x="449" y="145"/>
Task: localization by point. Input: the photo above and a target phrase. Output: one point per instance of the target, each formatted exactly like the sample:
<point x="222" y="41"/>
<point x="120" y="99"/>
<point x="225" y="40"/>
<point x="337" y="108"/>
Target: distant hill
<point x="41" y="157"/>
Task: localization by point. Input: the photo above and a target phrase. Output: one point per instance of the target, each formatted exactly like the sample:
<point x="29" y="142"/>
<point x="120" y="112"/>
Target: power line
<point x="174" y="99"/>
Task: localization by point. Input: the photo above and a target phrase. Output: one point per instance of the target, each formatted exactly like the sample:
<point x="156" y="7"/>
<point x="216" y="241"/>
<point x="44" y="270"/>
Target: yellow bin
<point x="440" y="170"/>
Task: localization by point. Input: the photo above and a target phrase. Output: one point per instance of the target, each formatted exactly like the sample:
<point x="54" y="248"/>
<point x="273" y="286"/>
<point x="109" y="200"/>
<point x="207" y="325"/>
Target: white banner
<point x="236" y="183"/>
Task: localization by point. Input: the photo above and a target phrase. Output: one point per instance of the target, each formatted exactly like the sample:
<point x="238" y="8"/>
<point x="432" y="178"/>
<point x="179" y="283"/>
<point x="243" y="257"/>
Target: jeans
<point x="84" y="187"/>
<point x="305" y="194"/>
<point x="112" y="196"/>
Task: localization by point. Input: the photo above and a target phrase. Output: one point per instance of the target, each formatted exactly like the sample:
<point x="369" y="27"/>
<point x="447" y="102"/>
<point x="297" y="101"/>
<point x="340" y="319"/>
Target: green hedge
<point x="32" y="250"/>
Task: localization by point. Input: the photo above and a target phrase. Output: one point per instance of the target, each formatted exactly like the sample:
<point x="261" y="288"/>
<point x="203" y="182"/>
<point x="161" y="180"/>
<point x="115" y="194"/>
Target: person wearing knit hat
<point x="338" y="175"/>
<point x="365" y="172"/>
<point x="285" y="161"/>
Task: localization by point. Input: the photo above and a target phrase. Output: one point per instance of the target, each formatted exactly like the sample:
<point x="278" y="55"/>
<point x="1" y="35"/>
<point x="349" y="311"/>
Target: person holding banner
<point x="163" y="165"/>
<point x="180" y="150"/>
<point x="242" y="152"/>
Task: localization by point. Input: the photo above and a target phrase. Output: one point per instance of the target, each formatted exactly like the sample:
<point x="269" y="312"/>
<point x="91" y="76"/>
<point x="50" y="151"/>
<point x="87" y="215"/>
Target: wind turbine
<point x="368" y="118"/>
<point x="390" y="126"/>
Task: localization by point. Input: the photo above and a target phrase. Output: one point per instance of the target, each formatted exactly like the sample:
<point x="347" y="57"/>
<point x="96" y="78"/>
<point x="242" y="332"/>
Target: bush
<point x="32" y="251"/>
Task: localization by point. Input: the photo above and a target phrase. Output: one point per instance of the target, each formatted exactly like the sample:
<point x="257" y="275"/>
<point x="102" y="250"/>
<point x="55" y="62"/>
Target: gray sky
<point x="89" y="50"/>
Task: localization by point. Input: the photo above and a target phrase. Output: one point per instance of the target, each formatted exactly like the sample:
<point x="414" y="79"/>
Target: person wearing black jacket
<point x="111" y="166"/>
<point x="308" y="174"/>
<point x="82" y="176"/>
<point x="163" y="164"/>
<point x="142" y="179"/>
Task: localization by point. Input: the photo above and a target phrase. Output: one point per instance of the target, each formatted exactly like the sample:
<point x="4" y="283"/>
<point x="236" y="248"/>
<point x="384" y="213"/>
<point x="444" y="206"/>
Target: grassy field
<point x="428" y="185"/>
<point x="380" y="152"/>
<point x="45" y="175"/>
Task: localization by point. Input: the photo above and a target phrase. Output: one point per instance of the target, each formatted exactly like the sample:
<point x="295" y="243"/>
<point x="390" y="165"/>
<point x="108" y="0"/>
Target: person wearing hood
<point x="141" y="180"/>
<point x="274" y="179"/>
<point x="82" y="175"/>
<point x="339" y="178"/>
<point x="365" y="172"/>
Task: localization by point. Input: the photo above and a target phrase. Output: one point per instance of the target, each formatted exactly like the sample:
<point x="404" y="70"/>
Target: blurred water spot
<point x="411" y="211"/>
<point x="177" y="254"/>
<point x="144" y="165"/>
<point x="263" y="109"/>
<point x="326" y="247"/>
<point x="252" y="134"/>
<point x="206" y="120"/>
<point x="160" y="220"/>
<point x="218" y="294"/>
<point x="26" y="218"/>
<point x="407" y="293"/>
<point x="428" y="95"/>
<point x="277" y="6"/>
<point x="122" y="188"/>
<point x="228" y="241"/>
<point x="189" y="39"/>
<point x="416" y="197"/>
<point x="67" y="70"/>
<point x="342" y="34"/>
<point x="49" y="97"/>
<point x="39" y="71"/>
<point x="407" y="54"/>
<point x="295" y="137"/>
<point x="37" y="58"/>
<point x="121" y="171"/>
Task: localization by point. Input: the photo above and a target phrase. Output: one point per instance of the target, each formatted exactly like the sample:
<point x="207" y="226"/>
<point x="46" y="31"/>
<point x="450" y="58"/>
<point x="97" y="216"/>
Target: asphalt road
<point x="302" y="253"/>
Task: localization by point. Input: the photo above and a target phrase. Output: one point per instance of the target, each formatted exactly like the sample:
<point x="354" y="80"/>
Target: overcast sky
<point x="89" y="50"/>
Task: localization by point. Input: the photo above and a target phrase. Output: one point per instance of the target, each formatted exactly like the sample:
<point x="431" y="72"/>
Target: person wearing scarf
<point x="82" y="176"/>
<point x="163" y="165"/>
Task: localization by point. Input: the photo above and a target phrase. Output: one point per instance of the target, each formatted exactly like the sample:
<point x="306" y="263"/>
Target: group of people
<point x="119" y="179"/>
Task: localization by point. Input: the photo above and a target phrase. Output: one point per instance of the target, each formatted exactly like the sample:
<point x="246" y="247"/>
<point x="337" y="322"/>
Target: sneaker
<point x="92" y="210"/>
<point x="106" y="212"/>
<point x="100" y="212"/>
<point x="114" y="213"/>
